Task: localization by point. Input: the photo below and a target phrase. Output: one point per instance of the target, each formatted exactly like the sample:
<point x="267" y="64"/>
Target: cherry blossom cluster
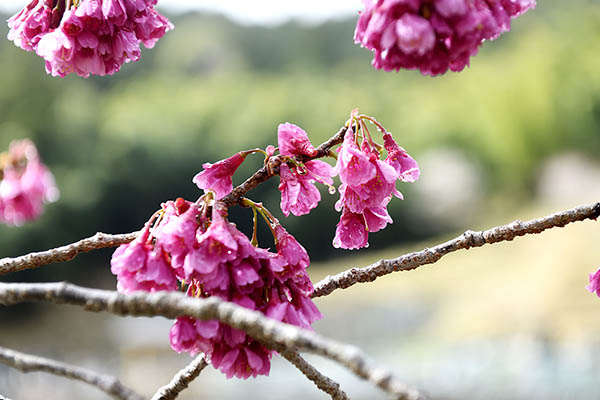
<point x="432" y="35"/>
<point x="368" y="182"/>
<point x="192" y="247"/>
<point x="25" y="184"/>
<point x="87" y="36"/>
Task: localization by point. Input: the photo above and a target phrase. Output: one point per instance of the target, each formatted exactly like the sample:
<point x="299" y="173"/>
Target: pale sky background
<point x="250" y="12"/>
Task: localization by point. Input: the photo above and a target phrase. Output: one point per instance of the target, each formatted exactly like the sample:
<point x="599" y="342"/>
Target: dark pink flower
<point x="299" y="194"/>
<point x="183" y="336"/>
<point x="594" y="285"/>
<point x="242" y="361"/>
<point x="293" y="141"/>
<point x="29" y="25"/>
<point x="405" y="165"/>
<point x="93" y="37"/>
<point x="353" y="166"/>
<point x="432" y="36"/>
<point x="289" y="248"/>
<point x="176" y="233"/>
<point x="351" y="232"/>
<point x="222" y="262"/>
<point x="139" y="265"/>
<point x="213" y="248"/>
<point x="372" y="193"/>
<point x="217" y="176"/>
<point x="25" y="184"/>
<point x="368" y="185"/>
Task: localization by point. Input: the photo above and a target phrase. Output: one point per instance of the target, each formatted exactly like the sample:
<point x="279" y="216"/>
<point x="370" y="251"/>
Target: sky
<point x="250" y="12"/>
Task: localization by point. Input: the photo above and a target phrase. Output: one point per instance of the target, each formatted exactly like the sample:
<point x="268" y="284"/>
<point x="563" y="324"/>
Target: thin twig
<point x="323" y="382"/>
<point x="173" y="304"/>
<point x="30" y="363"/>
<point x="181" y="380"/>
<point x="465" y="241"/>
<point x="65" y="253"/>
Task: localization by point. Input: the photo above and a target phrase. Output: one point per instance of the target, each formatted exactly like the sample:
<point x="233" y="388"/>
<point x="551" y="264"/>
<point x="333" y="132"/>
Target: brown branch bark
<point x="173" y="304"/>
<point x="30" y="363"/>
<point x="323" y="382"/>
<point x="181" y="380"/>
<point x="65" y="253"/>
<point x="467" y="240"/>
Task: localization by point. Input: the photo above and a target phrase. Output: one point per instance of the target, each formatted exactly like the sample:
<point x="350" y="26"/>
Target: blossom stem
<point x="266" y="214"/>
<point x="254" y="220"/>
<point x="252" y="151"/>
<point x="374" y="122"/>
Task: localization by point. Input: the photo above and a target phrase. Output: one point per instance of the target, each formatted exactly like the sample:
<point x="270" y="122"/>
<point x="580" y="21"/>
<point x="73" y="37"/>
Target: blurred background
<point x="516" y="135"/>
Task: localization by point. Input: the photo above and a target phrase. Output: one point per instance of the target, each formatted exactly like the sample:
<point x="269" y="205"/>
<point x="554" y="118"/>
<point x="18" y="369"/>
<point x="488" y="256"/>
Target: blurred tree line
<point x="119" y="146"/>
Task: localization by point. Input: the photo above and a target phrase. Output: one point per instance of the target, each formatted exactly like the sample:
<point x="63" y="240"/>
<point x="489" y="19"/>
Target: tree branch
<point x="30" y="363"/>
<point x="181" y="380"/>
<point x="323" y="382"/>
<point x="173" y="304"/>
<point x="467" y="240"/>
<point x="3" y="398"/>
<point x="65" y="253"/>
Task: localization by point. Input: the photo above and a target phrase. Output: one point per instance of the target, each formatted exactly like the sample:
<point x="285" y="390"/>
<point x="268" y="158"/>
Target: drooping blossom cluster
<point x="25" y="184"/>
<point x="368" y="184"/>
<point x="193" y="247"/>
<point x="87" y="36"/>
<point x="432" y="36"/>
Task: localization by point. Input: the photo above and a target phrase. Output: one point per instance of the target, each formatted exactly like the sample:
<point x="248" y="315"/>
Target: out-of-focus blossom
<point x="432" y="36"/>
<point x="594" y="286"/>
<point x="90" y="37"/>
<point x="25" y="184"/>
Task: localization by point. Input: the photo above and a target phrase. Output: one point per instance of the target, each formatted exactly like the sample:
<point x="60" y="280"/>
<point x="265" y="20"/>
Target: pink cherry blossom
<point x="217" y="176"/>
<point x="353" y="166"/>
<point x="368" y="185"/>
<point x="405" y="165"/>
<point x="183" y="336"/>
<point x="351" y="232"/>
<point x="594" y="285"/>
<point x="176" y="233"/>
<point x="141" y="266"/>
<point x="299" y="194"/>
<point x="293" y="141"/>
<point x="220" y="261"/>
<point x="92" y="37"/>
<point x="432" y="36"/>
<point x="25" y="184"/>
<point x="214" y="247"/>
